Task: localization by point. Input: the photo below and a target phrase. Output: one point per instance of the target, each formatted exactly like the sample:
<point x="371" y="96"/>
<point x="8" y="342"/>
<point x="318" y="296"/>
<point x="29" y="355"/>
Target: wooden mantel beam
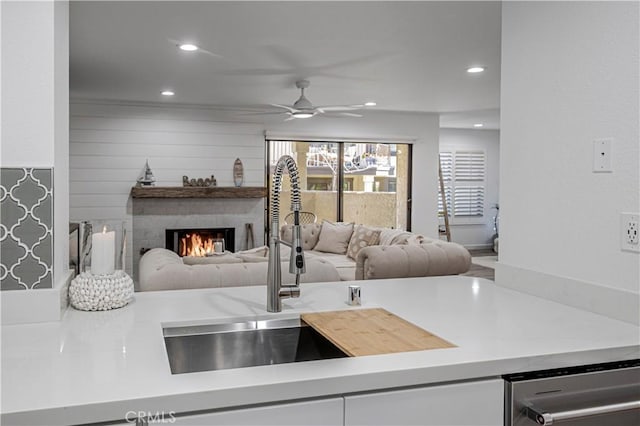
<point x="198" y="192"/>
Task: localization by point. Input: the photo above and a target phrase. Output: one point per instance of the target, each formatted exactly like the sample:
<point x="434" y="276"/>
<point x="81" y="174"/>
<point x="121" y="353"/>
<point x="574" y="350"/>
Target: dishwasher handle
<point x="544" y="418"/>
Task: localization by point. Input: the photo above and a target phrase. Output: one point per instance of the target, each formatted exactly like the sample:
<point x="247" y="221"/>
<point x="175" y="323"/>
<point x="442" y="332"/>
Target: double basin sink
<point x="245" y="344"/>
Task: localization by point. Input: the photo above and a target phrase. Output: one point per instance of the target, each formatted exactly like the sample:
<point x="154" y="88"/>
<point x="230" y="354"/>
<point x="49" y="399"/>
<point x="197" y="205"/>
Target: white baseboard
<point x="31" y="306"/>
<point x="615" y="303"/>
<point x="478" y="246"/>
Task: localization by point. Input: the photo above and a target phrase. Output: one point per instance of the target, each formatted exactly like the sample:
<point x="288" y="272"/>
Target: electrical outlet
<point x="630" y="232"/>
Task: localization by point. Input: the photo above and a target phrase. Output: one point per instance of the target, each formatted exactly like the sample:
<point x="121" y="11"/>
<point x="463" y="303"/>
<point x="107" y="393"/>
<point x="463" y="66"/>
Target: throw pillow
<point x="362" y="237"/>
<point x="334" y="237"/>
<point x="389" y="236"/>
<point x="309" y="234"/>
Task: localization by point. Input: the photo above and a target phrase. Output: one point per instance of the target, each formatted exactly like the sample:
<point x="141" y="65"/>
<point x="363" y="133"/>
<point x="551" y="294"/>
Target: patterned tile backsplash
<point x="26" y="224"/>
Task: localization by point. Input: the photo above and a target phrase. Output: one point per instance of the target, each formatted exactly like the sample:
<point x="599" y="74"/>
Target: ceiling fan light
<point x="302" y="114"/>
<point x="188" y="47"/>
<point x="370" y="104"/>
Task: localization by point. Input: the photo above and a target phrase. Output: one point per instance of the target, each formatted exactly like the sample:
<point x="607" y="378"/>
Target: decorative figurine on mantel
<point x="199" y="182"/>
<point x="238" y="173"/>
<point x="147" y="178"/>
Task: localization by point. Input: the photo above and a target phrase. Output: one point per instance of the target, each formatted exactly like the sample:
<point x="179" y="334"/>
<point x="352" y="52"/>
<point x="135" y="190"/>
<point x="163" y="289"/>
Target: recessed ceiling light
<point x="474" y="70"/>
<point x="478" y="125"/>
<point x="370" y="104"/>
<point x="188" y="47"/>
<point x="167" y="93"/>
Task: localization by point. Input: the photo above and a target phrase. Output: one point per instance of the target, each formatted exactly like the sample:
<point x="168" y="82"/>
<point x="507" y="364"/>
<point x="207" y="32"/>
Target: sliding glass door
<point x="376" y="189"/>
<point x="364" y="183"/>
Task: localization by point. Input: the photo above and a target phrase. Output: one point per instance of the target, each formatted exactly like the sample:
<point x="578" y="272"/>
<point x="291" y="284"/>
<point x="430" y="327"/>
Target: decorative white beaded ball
<point x="89" y="292"/>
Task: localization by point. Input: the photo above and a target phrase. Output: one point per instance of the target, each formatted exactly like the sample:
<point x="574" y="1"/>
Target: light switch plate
<point x="630" y="232"/>
<point x="602" y="155"/>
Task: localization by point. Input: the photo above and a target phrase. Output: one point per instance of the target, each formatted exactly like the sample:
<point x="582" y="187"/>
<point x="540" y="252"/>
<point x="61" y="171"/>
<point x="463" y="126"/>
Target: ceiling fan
<point x="303" y="108"/>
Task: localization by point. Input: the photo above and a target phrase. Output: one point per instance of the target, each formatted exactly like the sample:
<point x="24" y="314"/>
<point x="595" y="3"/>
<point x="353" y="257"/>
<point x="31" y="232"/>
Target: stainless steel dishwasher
<point x="591" y="395"/>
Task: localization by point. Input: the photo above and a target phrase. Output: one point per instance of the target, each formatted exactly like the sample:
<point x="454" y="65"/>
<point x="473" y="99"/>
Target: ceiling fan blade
<point x="355" y="61"/>
<point x="286" y="56"/>
<point x="264" y="113"/>
<point x="331" y="108"/>
<point x="288" y="108"/>
<point x="290" y="118"/>
<point x="340" y="115"/>
<point x="257" y="71"/>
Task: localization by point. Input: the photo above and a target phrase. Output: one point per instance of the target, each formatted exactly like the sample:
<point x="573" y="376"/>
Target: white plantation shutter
<point x="469" y="201"/>
<point x="464" y="181"/>
<point x="469" y="166"/>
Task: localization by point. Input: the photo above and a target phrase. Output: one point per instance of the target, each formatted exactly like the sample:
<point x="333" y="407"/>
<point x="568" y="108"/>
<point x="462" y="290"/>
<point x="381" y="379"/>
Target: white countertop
<point x="96" y="366"/>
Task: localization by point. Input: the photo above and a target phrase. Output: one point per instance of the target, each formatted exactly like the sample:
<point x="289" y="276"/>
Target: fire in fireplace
<point x="200" y="242"/>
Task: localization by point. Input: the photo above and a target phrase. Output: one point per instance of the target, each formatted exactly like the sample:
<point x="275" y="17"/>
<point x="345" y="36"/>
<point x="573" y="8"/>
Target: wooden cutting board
<point x="372" y="332"/>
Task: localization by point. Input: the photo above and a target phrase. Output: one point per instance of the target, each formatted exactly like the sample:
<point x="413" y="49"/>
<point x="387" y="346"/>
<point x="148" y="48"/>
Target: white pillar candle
<point x="218" y="246"/>
<point x="103" y="251"/>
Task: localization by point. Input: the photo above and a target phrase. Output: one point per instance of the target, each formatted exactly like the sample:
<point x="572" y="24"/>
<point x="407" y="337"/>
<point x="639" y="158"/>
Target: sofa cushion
<point x="254" y="255"/>
<point x="209" y="260"/>
<point x="363" y="236"/>
<point x="337" y="260"/>
<point x="309" y="234"/>
<point x="247" y="258"/>
<point x="257" y="256"/>
<point x="345" y="266"/>
<point x="347" y="274"/>
<point x="334" y="237"/>
<point x="261" y="251"/>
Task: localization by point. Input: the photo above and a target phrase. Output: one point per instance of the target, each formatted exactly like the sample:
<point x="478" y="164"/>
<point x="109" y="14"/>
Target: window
<point x="463" y="174"/>
<point x="353" y="182"/>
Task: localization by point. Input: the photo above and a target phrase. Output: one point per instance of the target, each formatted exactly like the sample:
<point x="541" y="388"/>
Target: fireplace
<point x="199" y="241"/>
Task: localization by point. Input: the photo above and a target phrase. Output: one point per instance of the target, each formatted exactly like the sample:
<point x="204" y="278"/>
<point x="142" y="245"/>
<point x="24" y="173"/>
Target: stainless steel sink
<point x="244" y="344"/>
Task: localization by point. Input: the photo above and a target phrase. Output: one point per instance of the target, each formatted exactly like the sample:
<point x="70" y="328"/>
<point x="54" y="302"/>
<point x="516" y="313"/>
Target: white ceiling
<point x="406" y="56"/>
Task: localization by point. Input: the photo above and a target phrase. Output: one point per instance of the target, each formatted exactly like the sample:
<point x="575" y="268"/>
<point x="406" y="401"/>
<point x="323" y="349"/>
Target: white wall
<point x="35" y="92"/>
<point x="422" y="128"/>
<point x="61" y="142"/>
<point x="569" y="75"/>
<point x="110" y="142"/>
<point x="474" y="232"/>
<point x="27" y="84"/>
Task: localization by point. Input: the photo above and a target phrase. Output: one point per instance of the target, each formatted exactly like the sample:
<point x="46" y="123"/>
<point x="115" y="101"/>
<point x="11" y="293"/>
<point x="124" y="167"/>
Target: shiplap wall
<point x="109" y="144"/>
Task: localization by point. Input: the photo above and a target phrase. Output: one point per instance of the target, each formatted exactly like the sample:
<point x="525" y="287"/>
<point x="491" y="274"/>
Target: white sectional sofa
<point x="162" y="269"/>
<point x="333" y="252"/>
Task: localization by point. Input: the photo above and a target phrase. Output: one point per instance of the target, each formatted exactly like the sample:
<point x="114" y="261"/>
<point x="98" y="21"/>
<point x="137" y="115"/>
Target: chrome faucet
<point x="276" y="291"/>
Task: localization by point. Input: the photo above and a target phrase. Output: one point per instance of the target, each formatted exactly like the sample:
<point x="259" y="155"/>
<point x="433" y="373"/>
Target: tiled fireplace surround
<point x="151" y="216"/>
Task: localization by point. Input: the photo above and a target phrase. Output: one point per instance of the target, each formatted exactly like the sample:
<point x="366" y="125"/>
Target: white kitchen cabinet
<point x="318" y="412"/>
<point x="472" y="403"/>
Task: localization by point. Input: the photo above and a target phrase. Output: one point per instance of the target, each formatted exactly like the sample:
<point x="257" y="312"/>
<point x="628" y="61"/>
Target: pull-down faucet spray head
<point x="276" y="291"/>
